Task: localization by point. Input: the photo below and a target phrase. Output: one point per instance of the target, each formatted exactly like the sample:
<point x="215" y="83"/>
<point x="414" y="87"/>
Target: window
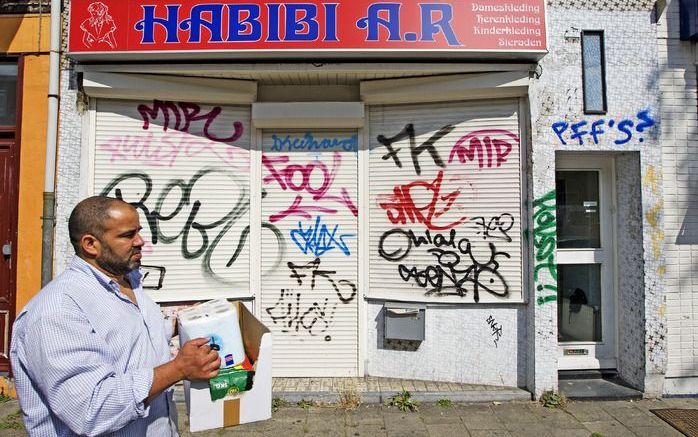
<point x="8" y="95"/>
<point x="593" y="72"/>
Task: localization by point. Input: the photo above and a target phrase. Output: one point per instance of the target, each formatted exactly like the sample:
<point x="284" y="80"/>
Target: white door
<point x="309" y="294"/>
<point x="585" y="258"/>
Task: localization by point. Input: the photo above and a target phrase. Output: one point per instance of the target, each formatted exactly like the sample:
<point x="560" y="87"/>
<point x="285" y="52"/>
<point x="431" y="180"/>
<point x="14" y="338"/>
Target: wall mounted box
<point x="404" y="321"/>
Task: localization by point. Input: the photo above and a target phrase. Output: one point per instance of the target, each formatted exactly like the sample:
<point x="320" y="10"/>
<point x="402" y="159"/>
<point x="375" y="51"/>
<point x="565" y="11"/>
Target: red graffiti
<point x="481" y="143"/>
<point x="184" y="114"/>
<point x="287" y="178"/>
<point x="401" y="208"/>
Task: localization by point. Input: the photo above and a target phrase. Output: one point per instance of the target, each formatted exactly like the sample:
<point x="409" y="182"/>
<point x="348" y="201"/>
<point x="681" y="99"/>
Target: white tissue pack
<point x="218" y="321"/>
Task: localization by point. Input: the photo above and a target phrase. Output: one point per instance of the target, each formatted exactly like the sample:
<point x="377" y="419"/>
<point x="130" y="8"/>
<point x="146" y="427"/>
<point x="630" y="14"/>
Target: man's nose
<point x="138" y="241"/>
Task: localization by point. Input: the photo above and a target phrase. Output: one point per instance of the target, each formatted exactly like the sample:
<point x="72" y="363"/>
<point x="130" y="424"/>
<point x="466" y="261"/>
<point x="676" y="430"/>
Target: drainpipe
<point x="48" y="217"/>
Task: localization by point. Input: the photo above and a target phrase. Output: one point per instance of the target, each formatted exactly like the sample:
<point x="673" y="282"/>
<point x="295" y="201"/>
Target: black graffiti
<point x="198" y="238"/>
<point x="292" y="315"/>
<point x="496" y="329"/>
<point x="150" y="272"/>
<point x="459" y="266"/>
<point x="497" y="227"/>
<point x="415" y="151"/>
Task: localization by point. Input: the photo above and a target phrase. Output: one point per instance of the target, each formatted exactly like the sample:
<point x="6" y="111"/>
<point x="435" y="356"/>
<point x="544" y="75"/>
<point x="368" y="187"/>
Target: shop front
<point x="340" y="166"/>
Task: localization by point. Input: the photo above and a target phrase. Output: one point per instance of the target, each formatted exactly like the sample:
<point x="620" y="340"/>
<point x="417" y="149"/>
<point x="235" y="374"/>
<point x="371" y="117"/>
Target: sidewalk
<point x="608" y="418"/>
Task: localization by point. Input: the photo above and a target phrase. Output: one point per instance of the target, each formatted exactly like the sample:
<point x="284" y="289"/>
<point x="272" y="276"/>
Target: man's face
<point x="120" y="242"/>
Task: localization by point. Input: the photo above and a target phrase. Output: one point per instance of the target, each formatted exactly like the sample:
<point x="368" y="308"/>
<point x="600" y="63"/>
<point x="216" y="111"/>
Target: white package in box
<point x="218" y="321"/>
<point x="244" y="407"/>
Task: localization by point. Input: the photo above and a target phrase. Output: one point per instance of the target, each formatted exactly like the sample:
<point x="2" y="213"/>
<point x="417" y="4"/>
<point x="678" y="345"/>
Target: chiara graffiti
<point x="620" y="131"/>
<point x="544" y="241"/>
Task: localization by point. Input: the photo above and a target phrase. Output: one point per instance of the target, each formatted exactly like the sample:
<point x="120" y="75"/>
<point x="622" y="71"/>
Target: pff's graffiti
<point x="544" y="241"/>
<point x="620" y="131"/>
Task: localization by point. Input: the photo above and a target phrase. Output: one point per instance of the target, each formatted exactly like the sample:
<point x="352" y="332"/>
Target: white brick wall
<point x="679" y="140"/>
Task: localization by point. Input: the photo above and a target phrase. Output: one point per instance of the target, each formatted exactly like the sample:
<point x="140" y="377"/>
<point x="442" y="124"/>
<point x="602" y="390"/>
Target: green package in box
<point x="230" y="381"/>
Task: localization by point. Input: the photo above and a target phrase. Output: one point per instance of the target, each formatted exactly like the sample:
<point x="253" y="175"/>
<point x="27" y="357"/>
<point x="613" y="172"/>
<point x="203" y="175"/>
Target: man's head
<point x="104" y="232"/>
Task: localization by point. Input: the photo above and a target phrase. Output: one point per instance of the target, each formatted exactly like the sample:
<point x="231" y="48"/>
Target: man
<point x="90" y="352"/>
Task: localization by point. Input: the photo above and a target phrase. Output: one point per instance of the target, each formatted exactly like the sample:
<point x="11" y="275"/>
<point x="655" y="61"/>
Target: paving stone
<point x="609" y="428"/>
<point x="655" y="431"/>
<point x="447" y="430"/>
<point x="481" y="420"/>
<point x="629" y="415"/>
<point x="587" y="412"/>
<point x="431" y="413"/>
<point x="490" y="433"/>
<point x="514" y="412"/>
<point x="367" y="431"/>
<point x="580" y="432"/>
<point x="555" y="418"/>
<point x="520" y="429"/>
<point x="364" y="415"/>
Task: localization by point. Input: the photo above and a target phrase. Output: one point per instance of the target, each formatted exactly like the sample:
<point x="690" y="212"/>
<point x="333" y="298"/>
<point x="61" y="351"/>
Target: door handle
<point x="7" y="249"/>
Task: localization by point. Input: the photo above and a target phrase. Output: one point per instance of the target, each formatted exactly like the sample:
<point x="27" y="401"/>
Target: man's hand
<point x="196" y="360"/>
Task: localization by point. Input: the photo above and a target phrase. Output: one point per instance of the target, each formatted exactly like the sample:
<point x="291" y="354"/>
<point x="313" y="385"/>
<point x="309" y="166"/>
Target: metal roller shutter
<point x="186" y="168"/>
<point x="309" y="295"/>
<point x="445" y="202"/>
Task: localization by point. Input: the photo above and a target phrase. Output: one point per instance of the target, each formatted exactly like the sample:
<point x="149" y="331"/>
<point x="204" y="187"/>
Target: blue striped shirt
<point x="83" y="356"/>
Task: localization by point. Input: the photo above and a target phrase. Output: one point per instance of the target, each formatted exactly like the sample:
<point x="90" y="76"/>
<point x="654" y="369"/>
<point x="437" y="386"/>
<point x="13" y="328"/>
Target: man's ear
<point x="90" y="245"/>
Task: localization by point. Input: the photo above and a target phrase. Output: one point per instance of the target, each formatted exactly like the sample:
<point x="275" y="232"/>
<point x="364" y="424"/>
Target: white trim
<point x="255" y="235"/>
<point x="87" y="154"/>
<point x="144" y="87"/>
<point x="335" y="115"/>
<point x="364" y="248"/>
<point x="446" y="88"/>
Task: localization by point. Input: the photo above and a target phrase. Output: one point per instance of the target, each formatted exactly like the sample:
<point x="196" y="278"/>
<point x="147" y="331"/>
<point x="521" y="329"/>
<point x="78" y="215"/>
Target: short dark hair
<point x="88" y="217"/>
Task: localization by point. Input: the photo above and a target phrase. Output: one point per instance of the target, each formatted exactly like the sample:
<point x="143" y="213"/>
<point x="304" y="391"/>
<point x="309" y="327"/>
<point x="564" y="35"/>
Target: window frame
<point x="602" y="55"/>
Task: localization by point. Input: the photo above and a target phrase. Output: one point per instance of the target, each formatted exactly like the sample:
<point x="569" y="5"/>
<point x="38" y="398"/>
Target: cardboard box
<point x="249" y="406"/>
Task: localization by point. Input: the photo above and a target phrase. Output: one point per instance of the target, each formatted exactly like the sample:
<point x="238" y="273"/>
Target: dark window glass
<point x="593" y="66"/>
<point x="579" y="302"/>
<point x="578" y="206"/>
<point x="8" y="94"/>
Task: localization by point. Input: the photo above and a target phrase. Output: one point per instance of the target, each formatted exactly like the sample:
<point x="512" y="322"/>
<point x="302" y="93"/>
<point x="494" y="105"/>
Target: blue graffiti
<point x="309" y="142"/>
<point x="622" y="130"/>
<point x="317" y="239"/>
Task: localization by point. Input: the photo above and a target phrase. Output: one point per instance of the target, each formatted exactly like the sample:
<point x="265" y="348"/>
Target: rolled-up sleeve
<point x="74" y="370"/>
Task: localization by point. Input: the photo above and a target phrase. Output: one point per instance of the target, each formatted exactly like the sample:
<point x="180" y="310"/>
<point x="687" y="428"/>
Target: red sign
<point x="410" y="27"/>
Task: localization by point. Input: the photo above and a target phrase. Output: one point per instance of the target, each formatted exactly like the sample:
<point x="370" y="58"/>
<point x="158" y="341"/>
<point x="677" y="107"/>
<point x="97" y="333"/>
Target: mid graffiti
<point x="458" y="266"/>
<point x="544" y="241"/>
<point x="184" y="114"/>
<point x="204" y="236"/>
<point x="293" y="312"/>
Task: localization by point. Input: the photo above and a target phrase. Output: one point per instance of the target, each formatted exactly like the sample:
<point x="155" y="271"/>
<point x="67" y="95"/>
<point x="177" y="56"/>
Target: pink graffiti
<point x="165" y="149"/>
<point x="184" y="115"/>
<point x="401" y="208"/>
<point x="286" y="178"/>
<point x="483" y="144"/>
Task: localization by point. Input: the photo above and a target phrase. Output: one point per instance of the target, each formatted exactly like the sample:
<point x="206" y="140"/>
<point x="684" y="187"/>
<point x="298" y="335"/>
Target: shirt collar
<point x="134" y="276"/>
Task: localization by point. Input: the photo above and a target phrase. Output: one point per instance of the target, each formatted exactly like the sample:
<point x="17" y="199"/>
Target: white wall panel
<point x="185" y="167"/>
<point x="445" y="196"/>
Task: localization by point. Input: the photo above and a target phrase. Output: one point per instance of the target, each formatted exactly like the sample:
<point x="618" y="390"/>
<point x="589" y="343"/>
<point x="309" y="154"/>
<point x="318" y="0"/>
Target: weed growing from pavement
<point x="404" y="402"/>
<point x="444" y="403"/>
<point x="550" y="399"/>
<point x="277" y="403"/>
<point x="349" y="399"/>
<point x="3" y="397"/>
<point x="12" y="421"/>
<point x="305" y="404"/>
